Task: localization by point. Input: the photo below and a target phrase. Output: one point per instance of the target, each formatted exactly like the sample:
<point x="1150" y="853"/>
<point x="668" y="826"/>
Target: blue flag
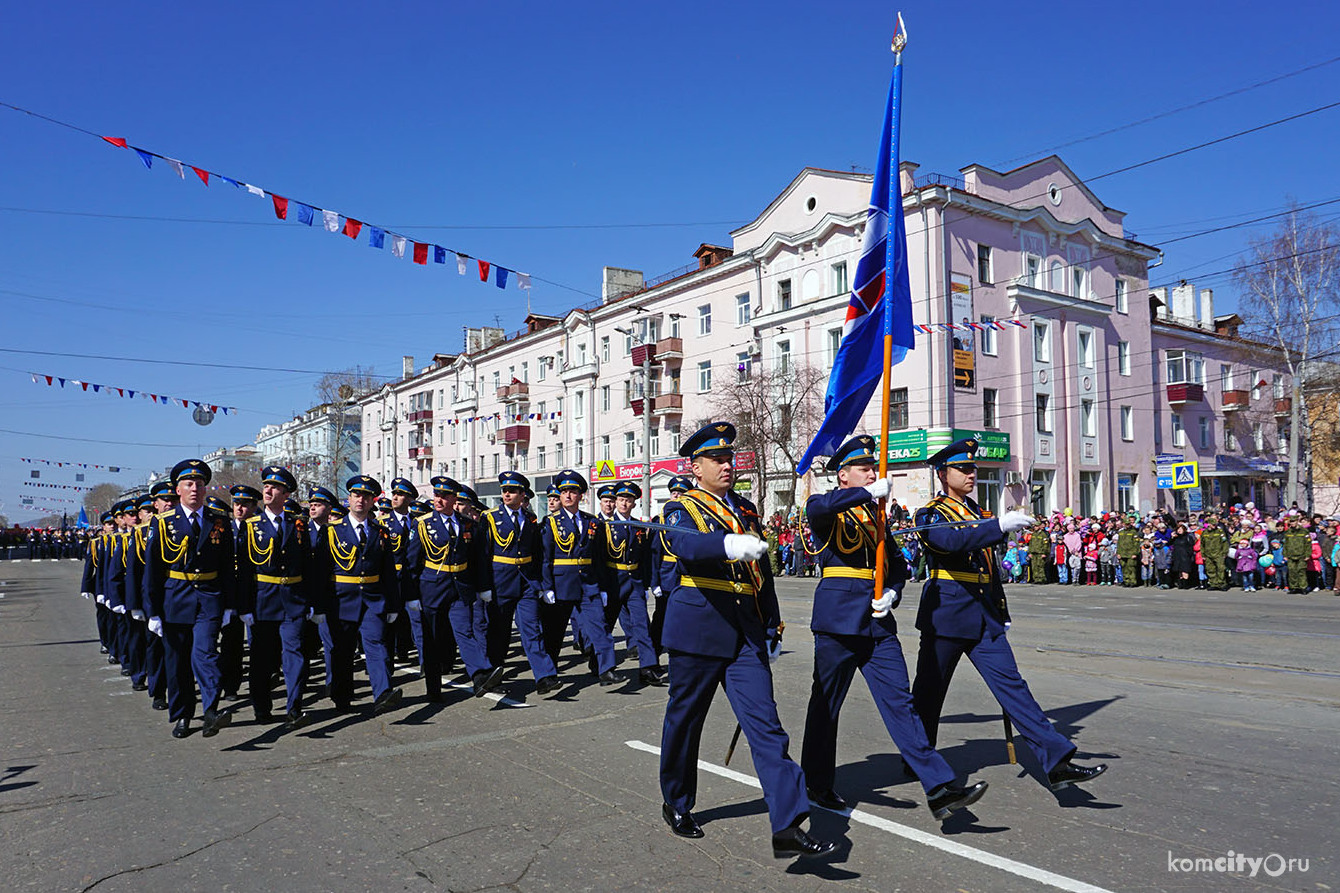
<point x="83" y="517"/>
<point x="881" y="299"/>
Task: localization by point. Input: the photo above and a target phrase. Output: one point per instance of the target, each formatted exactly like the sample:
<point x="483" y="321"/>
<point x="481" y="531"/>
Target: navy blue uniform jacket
<point x="844" y="527"/>
<point x="963" y="598"/>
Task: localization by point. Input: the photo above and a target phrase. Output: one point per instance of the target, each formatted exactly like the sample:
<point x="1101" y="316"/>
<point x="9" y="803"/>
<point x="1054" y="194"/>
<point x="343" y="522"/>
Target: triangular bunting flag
<point x="177" y="166"/>
<point x="305" y="213"/>
<point x="255" y="190"/>
<point x="118" y="141"/>
<point x="147" y="158"/>
<point x="439" y="254"/>
<point x="460" y="263"/>
<point x="203" y="175"/>
<point x="523" y="281"/>
<point x="376" y="237"/>
<point x="483" y="271"/>
<point x="501" y="278"/>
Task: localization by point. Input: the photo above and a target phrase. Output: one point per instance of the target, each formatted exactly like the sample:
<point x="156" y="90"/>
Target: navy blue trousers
<point x="588" y="616"/>
<point x="276" y="644"/>
<point x="994" y="661"/>
<point x="836" y="660"/>
<point x="190" y="657"/>
<point x="632" y="616"/>
<point x="133" y="633"/>
<point x="747" y="679"/>
<point x="344" y="635"/>
<point x="525" y="612"/>
<point x="155" y="673"/>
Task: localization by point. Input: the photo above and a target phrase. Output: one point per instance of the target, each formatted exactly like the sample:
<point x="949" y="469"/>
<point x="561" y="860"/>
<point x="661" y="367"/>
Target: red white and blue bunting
<point x="131" y="393"/>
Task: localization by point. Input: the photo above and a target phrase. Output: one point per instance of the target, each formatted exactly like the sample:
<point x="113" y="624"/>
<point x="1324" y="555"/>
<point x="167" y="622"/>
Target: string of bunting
<point x="112" y="468"/>
<point x="997" y="324"/>
<point x="55" y="486"/>
<point x="542" y="416"/>
<point x="287" y="208"/>
<point x="129" y="393"/>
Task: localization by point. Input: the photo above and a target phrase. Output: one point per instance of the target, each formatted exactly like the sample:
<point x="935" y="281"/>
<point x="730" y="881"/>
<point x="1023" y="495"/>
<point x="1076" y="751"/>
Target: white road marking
<point x="991" y="860"/>
<point x="492" y="696"/>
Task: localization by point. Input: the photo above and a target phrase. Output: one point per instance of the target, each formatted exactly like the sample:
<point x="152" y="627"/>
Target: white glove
<point x="318" y="619"/>
<point x="1014" y="521"/>
<point x="656" y="592"/>
<point x="137" y="615"/>
<point x="414" y="606"/>
<point x="228" y="615"/>
<point x="118" y="609"/>
<point x="156" y="626"/>
<point x="102" y="599"/>
<point x="880" y="488"/>
<point x="745" y="547"/>
<point x="86" y="594"/>
<point x="391" y="616"/>
<point x="248" y="619"/>
<point x="886" y="602"/>
<point x="604" y="600"/>
<point x="486" y="596"/>
<point x="774" y="646"/>
<point x="548" y="597"/>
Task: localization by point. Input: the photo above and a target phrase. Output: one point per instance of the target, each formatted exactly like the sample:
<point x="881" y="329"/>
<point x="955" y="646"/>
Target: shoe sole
<point x="945" y="812"/>
<point x="220" y="723"/>
<point x="491" y="682"/>
<point x="828" y="850"/>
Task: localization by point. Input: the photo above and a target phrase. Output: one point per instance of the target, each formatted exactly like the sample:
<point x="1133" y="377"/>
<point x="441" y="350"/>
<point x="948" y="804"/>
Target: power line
<point x="159" y="362"/>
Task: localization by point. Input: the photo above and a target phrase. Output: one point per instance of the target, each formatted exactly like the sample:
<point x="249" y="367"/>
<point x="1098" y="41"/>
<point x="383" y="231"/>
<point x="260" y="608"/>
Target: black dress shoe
<point x="608" y="678"/>
<point x="547" y="685"/>
<point x="160" y="703"/>
<point x="215" y="720"/>
<point x="102" y="650"/>
<point x="631" y="653"/>
<point x="829" y="799"/>
<point x="591" y="663"/>
<point x="651" y="676"/>
<point x="182" y="728"/>
<point x="389" y="700"/>
<point x="795" y="842"/>
<point x="948" y="798"/>
<point x="112" y="660"/>
<point x="1068" y="773"/>
<point x="487" y="680"/>
<point x="125" y="671"/>
<point x="139" y="686"/>
<point x="684" y="825"/>
<point x="264" y="719"/>
<point x="295" y="719"/>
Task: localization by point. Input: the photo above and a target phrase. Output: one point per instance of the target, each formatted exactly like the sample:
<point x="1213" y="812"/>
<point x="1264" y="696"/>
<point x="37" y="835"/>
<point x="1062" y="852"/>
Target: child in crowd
<point x="1091" y="564"/>
<point x="1163" y="563"/>
<point x="1247" y="565"/>
<point x="1109" y="564"/>
<point x="1147" y="560"/>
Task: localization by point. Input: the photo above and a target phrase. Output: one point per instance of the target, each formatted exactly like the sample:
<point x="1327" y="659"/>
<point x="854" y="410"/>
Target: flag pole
<point x="895" y="206"/>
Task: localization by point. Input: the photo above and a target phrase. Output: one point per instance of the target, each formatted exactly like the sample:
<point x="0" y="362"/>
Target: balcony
<point x="670" y="349"/>
<point x="515" y="392"/>
<point x="1185" y="392"/>
<point x="570" y="374"/>
<point x="1236" y="400"/>
<point x="644" y="353"/>
<point x="667" y="404"/>
<point x="421" y="452"/>
<point x="637" y="404"/>
<point x="422" y="415"/>
<point x="519" y="434"/>
<point x="1283" y="406"/>
<point x="467" y="402"/>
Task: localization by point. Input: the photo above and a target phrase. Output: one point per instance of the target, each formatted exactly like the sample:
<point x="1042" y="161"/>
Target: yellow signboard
<point x="605" y="470"/>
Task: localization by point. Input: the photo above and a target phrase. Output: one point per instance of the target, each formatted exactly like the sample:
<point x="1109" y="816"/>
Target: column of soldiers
<point x="168" y="586"/>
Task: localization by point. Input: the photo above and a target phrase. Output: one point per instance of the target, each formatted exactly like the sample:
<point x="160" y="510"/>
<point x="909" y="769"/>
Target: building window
<point x="1032" y="270"/>
<point x="1282" y="441"/>
<point x="604" y="446"/>
<point x="578" y="451"/>
<point x="1230" y="439"/>
<point x="1256" y="383"/>
<point x="629" y="445"/>
<point x="1084" y="340"/>
<point x="655" y="441"/>
<point x="988" y="490"/>
<point x="1040" y="487"/>
<point x="1079" y="279"/>
<point x="1178" y="432"/>
<point x="784" y="295"/>
<point x="898" y="420"/>
<point x="1123" y="358"/>
<point x="1127" y="423"/>
<point x="675" y="439"/>
<point x="834" y="342"/>
<point x="1088" y="419"/>
<point x="1044" y="413"/>
<point x="705" y="319"/>
<point x="990" y="416"/>
<point x="1185" y="367"/>
<point x="1225" y="377"/>
<point x="539" y="459"/>
<point x="989" y="336"/>
<point x="1126" y="493"/>
<point x="521" y="457"/>
<point x="495" y="463"/>
<point x="1120" y="297"/>
<point x="604" y="348"/>
<point x="840" y="286"/>
<point x="558" y="455"/>
<point x="1057" y="277"/>
<point x="984" y="264"/>
<point x="743" y="311"/>
<point x="497" y="380"/>
<point x="744" y="366"/>
<point x="1277" y="386"/>
<point x="1090" y="493"/>
<point x="704" y="377"/>
<point x="1203" y="424"/>
<point x="1258" y="437"/>
<point x="1042" y="342"/>
<point x="579" y="405"/>
<point x="543" y="368"/>
<point x="783" y="357"/>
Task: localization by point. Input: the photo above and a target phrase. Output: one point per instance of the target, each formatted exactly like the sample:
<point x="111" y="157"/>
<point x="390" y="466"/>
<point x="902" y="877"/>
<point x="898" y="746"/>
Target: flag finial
<point x="899" y="35"/>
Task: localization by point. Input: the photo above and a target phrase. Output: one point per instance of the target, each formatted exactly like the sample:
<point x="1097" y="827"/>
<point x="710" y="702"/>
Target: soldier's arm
<point x="963" y="538"/>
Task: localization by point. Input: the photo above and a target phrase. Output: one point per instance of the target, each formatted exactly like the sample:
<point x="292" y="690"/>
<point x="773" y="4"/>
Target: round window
<point x="810" y="204"/>
<point x="1054" y="193"/>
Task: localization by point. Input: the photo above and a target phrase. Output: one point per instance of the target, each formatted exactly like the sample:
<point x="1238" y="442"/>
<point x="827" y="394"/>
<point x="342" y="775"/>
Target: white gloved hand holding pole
<point x="1014" y="521"/>
<point x="881" y="606"/>
<point x="880" y="488"/>
<point x="745" y="547"/>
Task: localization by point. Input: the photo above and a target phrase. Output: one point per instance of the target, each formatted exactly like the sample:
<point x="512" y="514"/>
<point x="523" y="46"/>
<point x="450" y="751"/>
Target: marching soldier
<point x="551" y="499"/>
<point x="408" y="628"/>
<point x="136" y="619"/>
<point x="245" y="501"/>
<point x="358" y="593"/>
<point x="963" y="611"/>
<point x="190" y="562"/>
<point x="627" y="574"/>
<point x="605" y="496"/>
<point x="122" y="513"/>
<point x="273" y="575"/>
<point x="1128" y="550"/>
<point x="165" y="500"/>
<point x="569" y="580"/>
<point x="89" y="587"/>
<point x="449" y="566"/>
<point x="511" y="544"/>
<point x="321" y="506"/>
<point x="854" y="630"/>
<point x="721" y="619"/>
<point x="664" y="566"/>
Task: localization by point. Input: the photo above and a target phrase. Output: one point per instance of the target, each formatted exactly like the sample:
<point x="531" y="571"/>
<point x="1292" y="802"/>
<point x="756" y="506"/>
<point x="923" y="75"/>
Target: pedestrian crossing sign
<point x="605" y="470"/>
<point x="1185" y="475"/>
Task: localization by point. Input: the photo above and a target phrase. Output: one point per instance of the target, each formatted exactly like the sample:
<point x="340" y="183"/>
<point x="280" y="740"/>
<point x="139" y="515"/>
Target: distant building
<point x="321" y="447"/>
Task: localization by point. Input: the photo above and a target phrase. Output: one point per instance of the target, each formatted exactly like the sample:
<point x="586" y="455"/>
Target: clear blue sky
<point x="546" y="137"/>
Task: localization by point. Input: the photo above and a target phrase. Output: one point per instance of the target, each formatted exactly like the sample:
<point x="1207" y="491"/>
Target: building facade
<point x="322" y="447"/>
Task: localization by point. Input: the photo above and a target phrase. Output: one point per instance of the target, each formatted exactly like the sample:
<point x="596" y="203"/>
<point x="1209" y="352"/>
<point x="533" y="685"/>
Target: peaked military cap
<point x="570" y="480"/>
<point x="552" y="490"/>
<point x="188" y="469"/>
<point x="629" y="489"/>
<point x="216" y="504"/>
<point x="716" y="437"/>
<point x="680" y="483"/>
<point x="445" y="486"/>
<point x="383" y="505"/>
<point x="362" y="483"/>
<point x="106" y="518"/>
<point x="278" y="474"/>
<point x="145" y="504"/>
<point x="404" y="487"/>
<point x="859" y="450"/>
<point x="163" y="490"/>
<point x="960" y="452"/>
<point x="470" y="496"/>
<point x="243" y="493"/>
<point x="606" y="491"/>
<point x="291" y="507"/>
<point x="514" y="480"/>
<point x="123" y="506"/>
<point x="321" y="494"/>
<point x="338" y="511"/>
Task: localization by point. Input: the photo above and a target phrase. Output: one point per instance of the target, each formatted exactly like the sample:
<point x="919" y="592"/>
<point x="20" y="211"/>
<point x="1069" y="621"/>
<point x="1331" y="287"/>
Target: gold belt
<point x="445" y="568"/>
<point x="850" y="573"/>
<point x="193" y="578"/>
<point x="278" y="581"/>
<point x="669" y="558"/>
<point x="622" y="567"/>
<point x="961" y="576"/>
<point x="357" y="581"/>
<point x="718" y="585"/>
<point x="581" y="562"/>
<point x="503" y="559"/>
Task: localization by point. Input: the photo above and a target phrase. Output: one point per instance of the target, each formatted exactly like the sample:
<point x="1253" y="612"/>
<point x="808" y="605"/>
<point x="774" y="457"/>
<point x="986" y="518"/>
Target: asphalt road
<point x="1216" y="711"/>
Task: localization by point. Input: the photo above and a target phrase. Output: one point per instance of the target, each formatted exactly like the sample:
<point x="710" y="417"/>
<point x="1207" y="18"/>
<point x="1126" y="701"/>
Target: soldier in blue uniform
<point x="274" y="571"/>
<point x="720" y="621"/>
<point x="90" y="585"/>
<point x="510" y="537"/>
<point x="963" y="612"/>
<point x="137" y="632"/>
<point x="605" y="498"/>
<point x="450" y="568"/>
<point x="627" y="573"/>
<point x="165" y="499"/>
<point x="246" y="500"/>
<point x="570" y="580"/>
<point x="664" y="566"/>
<point x="551" y="499"/>
<point x="358" y="593"/>
<point x="321" y="506"/>
<point x="123" y="513"/>
<point x="190" y="564"/>
<point x="408" y="627"/>
<point x="854" y="630"/>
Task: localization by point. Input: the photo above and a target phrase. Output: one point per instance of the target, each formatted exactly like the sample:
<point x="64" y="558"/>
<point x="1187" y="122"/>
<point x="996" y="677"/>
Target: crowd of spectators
<point x="42" y="542"/>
